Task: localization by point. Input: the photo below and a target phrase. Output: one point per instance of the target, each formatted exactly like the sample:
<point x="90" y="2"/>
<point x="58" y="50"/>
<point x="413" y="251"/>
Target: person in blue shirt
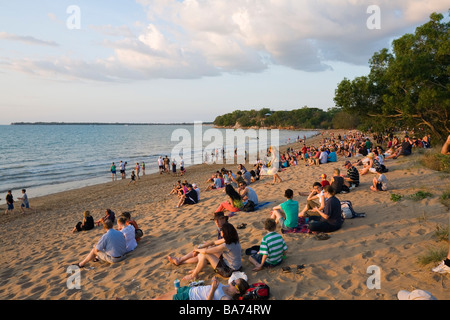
<point x="111" y="247"/>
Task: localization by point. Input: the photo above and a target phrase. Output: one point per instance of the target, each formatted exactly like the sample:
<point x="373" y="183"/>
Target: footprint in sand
<point x="367" y="254"/>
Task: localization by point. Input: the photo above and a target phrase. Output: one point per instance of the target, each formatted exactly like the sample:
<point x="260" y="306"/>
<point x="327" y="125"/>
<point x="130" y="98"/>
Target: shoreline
<point x="38" y="247"/>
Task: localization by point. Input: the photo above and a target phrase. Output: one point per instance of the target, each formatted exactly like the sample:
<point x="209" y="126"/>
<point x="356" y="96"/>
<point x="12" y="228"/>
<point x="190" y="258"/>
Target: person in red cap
<point x="324" y="182"/>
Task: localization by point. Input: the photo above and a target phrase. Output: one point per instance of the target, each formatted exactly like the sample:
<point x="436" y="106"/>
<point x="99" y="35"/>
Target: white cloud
<point x="27" y="39"/>
<point x="196" y="38"/>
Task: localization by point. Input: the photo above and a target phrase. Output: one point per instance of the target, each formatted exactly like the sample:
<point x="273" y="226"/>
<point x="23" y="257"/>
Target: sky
<point x="162" y="61"/>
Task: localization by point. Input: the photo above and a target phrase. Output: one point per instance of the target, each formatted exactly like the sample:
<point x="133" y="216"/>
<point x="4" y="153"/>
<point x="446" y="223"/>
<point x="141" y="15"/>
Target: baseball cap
<point x="417" y="294"/>
<point x="323" y="176"/>
<point x="218" y="215"/>
<point x="194" y="185"/>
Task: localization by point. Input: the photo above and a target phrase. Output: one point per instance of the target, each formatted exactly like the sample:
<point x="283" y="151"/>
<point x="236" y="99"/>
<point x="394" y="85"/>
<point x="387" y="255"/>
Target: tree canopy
<point x="407" y="87"/>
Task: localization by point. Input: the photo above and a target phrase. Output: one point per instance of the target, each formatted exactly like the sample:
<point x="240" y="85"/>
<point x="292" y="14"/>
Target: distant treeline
<point x="102" y="123"/>
<point x="304" y="118"/>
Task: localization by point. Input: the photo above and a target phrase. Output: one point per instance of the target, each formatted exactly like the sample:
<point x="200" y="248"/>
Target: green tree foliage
<point x="408" y="87"/>
<point x="304" y="118"/>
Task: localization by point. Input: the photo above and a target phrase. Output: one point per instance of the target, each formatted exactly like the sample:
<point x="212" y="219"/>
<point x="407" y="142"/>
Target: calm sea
<point x="46" y="159"/>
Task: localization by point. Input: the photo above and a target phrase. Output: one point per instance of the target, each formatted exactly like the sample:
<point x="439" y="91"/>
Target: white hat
<point x="237" y="275"/>
<point x="194" y="185"/>
<point x="415" y="295"/>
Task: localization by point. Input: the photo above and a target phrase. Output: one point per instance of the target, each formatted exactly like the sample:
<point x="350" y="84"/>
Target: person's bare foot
<point x="173" y="260"/>
<point x="190" y="277"/>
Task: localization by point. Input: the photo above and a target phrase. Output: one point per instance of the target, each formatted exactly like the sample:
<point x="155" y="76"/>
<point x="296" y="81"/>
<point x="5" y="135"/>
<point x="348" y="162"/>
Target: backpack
<point x="249" y="206"/>
<point x="138" y="233"/>
<point x="257" y="291"/>
<point x="348" y="212"/>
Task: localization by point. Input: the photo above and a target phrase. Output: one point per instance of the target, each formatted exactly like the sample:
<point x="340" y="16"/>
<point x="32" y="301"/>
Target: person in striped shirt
<point x="272" y="249"/>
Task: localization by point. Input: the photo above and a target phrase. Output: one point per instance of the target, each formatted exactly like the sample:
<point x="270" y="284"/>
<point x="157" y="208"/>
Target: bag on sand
<point x="348" y="212"/>
<point x="257" y="291"/>
<point x="138" y="233"/>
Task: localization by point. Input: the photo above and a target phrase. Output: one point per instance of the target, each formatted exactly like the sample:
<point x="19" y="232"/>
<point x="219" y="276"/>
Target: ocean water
<point x="46" y="159"/>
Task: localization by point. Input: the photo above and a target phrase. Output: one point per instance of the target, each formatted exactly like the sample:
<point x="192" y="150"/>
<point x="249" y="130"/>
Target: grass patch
<point x="420" y="195"/>
<point x="396" y="197"/>
<point x="441" y="233"/>
<point x="433" y="255"/>
<point x="437" y="161"/>
<point x="445" y="198"/>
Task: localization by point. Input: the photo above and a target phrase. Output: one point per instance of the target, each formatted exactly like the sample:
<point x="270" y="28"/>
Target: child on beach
<point x="272" y="248"/>
<point x="286" y="213"/>
<point x="379" y="183"/>
<point x="25" y="204"/>
<point x="133" y="178"/>
<point x="9" y="202"/>
<point x="324" y="182"/>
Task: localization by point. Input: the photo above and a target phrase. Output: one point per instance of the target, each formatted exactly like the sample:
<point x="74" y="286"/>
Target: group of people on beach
<point x="135" y="174"/>
<point x="115" y="244"/>
<point x="165" y="165"/>
<point x="321" y="213"/>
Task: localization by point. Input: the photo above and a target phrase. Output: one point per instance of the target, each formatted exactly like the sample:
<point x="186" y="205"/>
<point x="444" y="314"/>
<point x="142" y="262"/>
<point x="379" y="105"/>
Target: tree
<point x="408" y="87"/>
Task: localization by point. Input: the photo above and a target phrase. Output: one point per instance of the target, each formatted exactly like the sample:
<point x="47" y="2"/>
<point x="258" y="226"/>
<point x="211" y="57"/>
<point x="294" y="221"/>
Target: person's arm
<point x="212" y="249"/>
<point x="214" y="285"/>
<point x="322" y="214"/>
<point x="260" y="266"/>
<point x="313" y="195"/>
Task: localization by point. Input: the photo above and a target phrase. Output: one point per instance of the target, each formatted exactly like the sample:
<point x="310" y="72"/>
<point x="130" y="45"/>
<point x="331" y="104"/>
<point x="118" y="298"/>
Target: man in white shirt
<point x="129" y="233"/>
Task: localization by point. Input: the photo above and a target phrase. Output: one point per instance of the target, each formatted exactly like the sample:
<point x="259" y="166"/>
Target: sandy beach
<point x="38" y="247"/>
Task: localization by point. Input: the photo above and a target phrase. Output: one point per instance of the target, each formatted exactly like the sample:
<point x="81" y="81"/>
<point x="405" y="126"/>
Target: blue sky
<point x="176" y="61"/>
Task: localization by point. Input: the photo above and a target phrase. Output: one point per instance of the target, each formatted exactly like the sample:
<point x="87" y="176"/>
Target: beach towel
<point x="261" y="205"/>
<point x="302" y="227"/>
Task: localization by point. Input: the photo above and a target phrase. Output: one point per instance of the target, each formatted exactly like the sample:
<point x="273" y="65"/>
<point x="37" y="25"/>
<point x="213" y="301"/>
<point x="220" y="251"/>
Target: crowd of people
<point x="321" y="209"/>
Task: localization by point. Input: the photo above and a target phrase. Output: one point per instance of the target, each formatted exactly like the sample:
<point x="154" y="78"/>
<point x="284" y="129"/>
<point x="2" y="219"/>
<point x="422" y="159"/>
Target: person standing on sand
<point x="122" y="170"/>
<point x="138" y="170"/>
<point x="143" y="168"/>
<point x="113" y="172"/>
<point x="9" y="202"/>
<point x="25" y="204"/>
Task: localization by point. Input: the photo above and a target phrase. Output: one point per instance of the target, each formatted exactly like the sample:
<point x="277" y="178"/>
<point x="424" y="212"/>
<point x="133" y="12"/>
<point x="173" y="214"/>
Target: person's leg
<point x="91" y="256"/>
<point x="203" y="260"/>
<point x="276" y="215"/>
<point x="226" y="206"/>
<point x="189" y="258"/>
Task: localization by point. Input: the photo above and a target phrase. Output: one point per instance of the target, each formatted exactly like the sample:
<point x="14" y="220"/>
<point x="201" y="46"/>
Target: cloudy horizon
<point x="185" y="61"/>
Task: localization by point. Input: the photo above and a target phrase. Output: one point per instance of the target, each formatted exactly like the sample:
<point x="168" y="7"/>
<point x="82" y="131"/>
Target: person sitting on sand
<point x="369" y="166"/>
<point x="352" y="178"/>
<point x="315" y="199"/>
<point x="272" y="248"/>
<point x="191" y="197"/>
<point x="111" y="247"/>
<point x="286" y="214"/>
<point x="404" y="149"/>
<point x="337" y="182"/>
<point x="130" y="221"/>
<point x="109" y="215"/>
<point x="128" y="232"/>
<point x="216" y="291"/>
<point x="234" y="204"/>
<point x="177" y="188"/>
<point x="86" y="224"/>
<point x="224" y="258"/>
<point x="247" y="193"/>
<point x="324" y="182"/>
<point x="192" y="257"/>
<point x="330" y="218"/>
<point x="380" y="182"/>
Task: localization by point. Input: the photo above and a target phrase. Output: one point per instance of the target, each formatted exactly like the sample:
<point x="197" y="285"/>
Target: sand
<point x="38" y="247"/>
